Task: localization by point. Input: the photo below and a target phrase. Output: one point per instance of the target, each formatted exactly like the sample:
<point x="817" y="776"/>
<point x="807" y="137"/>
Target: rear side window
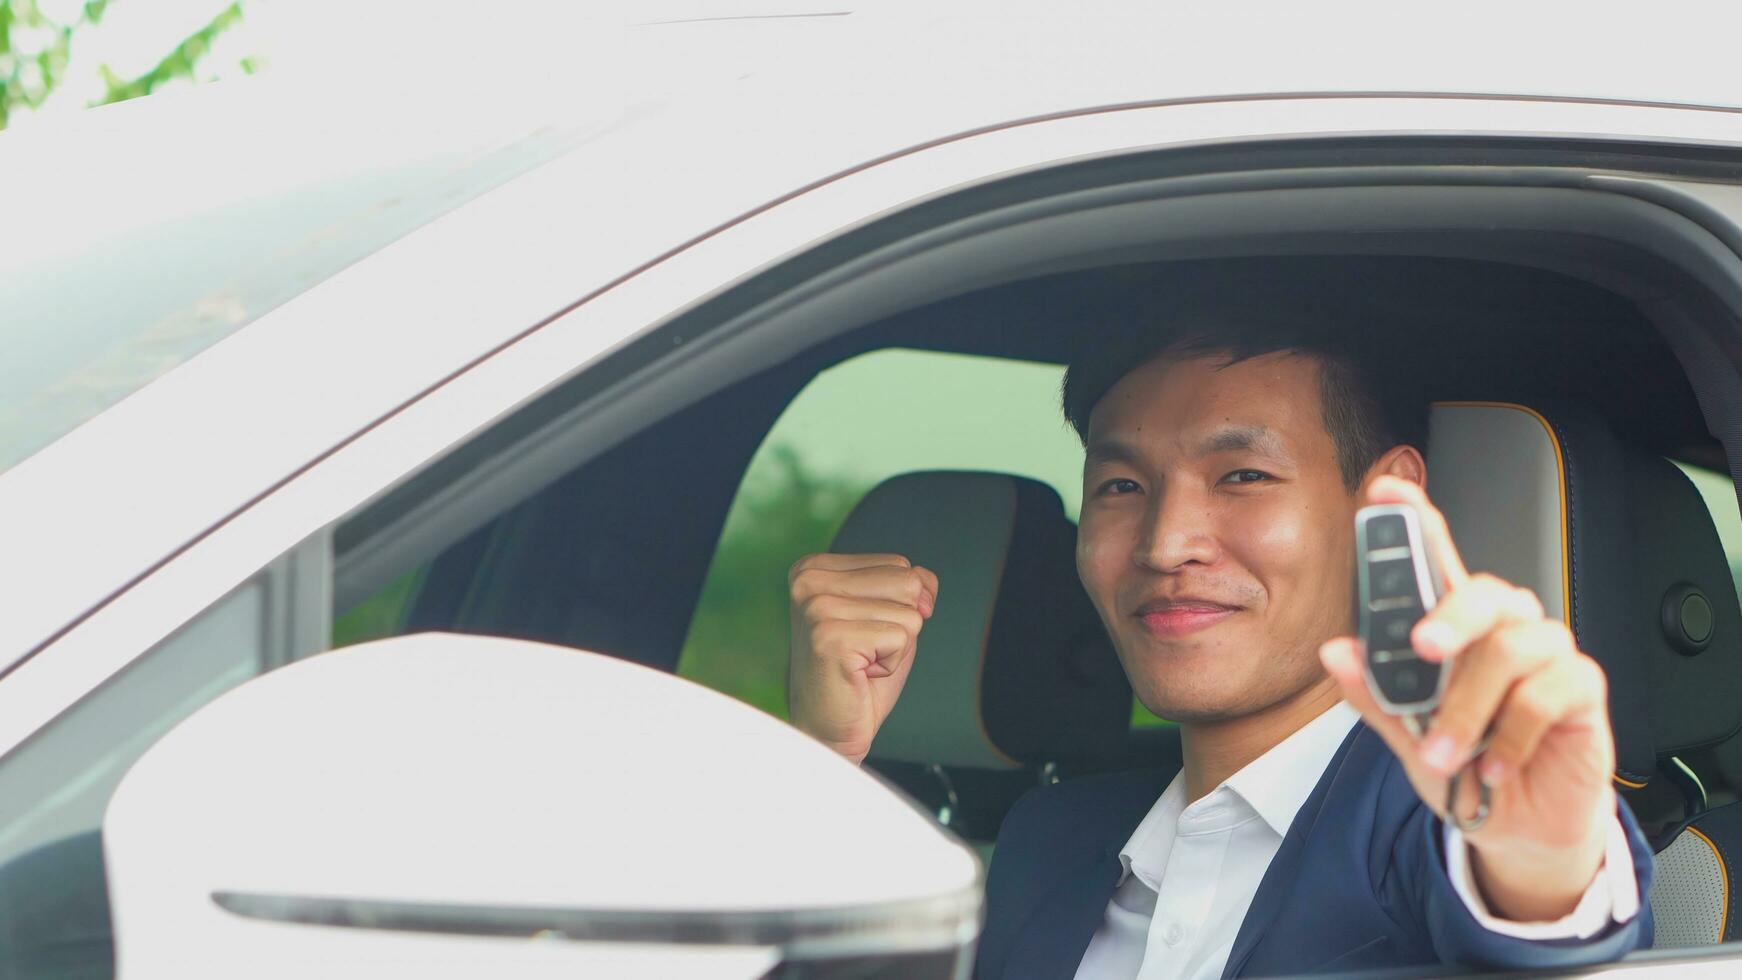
<point x="1719" y="493"/>
<point x="866" y="419"/>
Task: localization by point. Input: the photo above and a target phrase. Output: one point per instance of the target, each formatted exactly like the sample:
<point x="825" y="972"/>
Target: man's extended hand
<point x="1519" y="676"/>
<point x="855" y="623"/>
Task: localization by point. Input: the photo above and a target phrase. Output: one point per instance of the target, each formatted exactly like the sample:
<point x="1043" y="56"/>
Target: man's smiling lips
<point x="1173" y="618"/>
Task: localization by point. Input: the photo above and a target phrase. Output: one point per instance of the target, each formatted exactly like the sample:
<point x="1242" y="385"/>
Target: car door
<point x="617" y="341"/>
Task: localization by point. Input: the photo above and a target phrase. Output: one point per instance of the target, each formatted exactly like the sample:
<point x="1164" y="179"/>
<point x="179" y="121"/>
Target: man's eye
<point x="1246" y="476"/>
<point x="1117" y="486"/>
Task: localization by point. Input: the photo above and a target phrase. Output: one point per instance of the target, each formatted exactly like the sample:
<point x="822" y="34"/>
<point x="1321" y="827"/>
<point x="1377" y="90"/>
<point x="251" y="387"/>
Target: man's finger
<point x="858" y="609"/>
<point x="1481" y="680"/>
<point x="1569" y="688"/>
<point x="1396" y="490"/>
<point x="1342" y="660"/>
<point x="887" y="582"/>
<point x="875" y="648"/>
<point x="830" y="562"/>
<point x="1467" y="614"/>
<point x="929" y="580"/>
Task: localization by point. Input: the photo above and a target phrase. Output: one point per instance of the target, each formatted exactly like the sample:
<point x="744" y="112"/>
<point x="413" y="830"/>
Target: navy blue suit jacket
<point x="1358" y="882"/>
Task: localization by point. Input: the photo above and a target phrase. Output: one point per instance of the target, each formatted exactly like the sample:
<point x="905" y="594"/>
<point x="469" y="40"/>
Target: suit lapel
<point x="1284" y="869"/>
<point x="1057" y="933"/>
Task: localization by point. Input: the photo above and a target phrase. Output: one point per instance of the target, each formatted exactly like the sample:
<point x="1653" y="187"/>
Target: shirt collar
<point x="1277" y="783"/>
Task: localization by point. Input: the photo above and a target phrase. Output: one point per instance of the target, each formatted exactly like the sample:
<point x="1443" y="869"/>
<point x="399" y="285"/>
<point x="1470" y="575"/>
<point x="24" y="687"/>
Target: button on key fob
<point x="1396" y="583"/>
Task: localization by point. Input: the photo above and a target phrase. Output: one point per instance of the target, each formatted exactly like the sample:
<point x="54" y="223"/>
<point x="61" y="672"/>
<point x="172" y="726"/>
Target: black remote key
<point x="1396" y="583"/>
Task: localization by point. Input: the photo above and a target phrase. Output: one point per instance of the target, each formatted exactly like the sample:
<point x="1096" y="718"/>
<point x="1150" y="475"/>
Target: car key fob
<point x="1396" y="583"/>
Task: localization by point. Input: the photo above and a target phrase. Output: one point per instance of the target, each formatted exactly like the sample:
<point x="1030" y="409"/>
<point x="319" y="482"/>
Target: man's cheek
<point x="1098" y="562"/>
<point x="1095" y="558"/>
<point x="1274" y="540"/>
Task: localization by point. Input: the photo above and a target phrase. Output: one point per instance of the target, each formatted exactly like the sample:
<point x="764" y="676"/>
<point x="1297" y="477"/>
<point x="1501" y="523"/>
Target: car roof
<point x="679" y="118"/>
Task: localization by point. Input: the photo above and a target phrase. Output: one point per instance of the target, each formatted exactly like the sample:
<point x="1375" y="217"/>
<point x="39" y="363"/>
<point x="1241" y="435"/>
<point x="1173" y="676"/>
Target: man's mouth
<point x="1175" y="618"/>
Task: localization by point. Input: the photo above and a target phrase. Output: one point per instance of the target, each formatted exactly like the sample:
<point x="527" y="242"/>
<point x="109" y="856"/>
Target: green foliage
<point x="382" y="614"/>
<point x="738" y="639"/>
<point x="35" y="49"/>
<point x="179" y="63"/>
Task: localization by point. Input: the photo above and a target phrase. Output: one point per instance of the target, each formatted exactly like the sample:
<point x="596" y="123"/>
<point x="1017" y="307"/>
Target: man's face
<point x="1216" y="537"/>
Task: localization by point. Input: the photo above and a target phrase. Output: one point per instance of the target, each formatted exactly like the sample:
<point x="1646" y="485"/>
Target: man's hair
<point x="1364" y="415"/>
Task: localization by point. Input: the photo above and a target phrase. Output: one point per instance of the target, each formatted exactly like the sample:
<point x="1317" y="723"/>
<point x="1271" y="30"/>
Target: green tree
<point x="737" y="642"/>
<point x="36" y="47"/>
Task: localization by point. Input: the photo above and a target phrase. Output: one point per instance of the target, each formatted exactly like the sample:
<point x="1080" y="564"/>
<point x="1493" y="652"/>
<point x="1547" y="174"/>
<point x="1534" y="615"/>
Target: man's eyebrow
<point x="1109" y="451"/>
<point x="1242" y="438"/>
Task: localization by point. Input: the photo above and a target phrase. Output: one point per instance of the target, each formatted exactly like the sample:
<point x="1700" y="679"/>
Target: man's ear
<point x="1404" y="462"/>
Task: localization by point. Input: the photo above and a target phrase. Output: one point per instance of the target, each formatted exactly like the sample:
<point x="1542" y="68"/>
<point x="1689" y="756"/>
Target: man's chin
<point x="1195" y="713"/>
<point x="1189" y="701"/>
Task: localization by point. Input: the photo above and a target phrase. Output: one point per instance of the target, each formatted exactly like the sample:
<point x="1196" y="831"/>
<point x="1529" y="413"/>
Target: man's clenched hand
<point x="1519" y="676"/>
<point x="855" y="623"/>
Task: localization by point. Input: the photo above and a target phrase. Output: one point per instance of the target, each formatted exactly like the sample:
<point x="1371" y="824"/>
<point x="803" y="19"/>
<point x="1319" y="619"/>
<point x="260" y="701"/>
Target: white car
<point x="581" y="361"/>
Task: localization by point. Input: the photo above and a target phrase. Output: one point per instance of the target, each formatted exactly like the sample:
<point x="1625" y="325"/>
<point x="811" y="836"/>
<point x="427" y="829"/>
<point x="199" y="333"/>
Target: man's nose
<point x="1177" y="531"/>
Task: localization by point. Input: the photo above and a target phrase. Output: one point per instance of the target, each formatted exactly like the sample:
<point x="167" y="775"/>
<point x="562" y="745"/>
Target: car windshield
<point x="142" y="234"/>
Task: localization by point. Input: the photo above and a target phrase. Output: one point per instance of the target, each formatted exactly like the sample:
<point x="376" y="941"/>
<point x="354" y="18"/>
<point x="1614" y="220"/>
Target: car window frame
<point x="574" y="345"/>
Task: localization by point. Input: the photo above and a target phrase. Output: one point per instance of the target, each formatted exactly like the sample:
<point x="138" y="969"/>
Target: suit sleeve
<point x="1459" y="937"/>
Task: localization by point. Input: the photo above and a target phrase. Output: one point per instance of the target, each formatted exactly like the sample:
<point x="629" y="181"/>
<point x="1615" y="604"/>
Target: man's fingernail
<point x="926" y="603"/>
<point x="1439" y="752"/>
<point x="1435" y="638"/>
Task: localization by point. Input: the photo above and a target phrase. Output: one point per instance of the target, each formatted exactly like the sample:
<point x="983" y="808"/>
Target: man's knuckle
<point x="824" y="606"/>
<point x="1529" y="705"/>
<point x="1508" y="642"/>
<point x="806" y="582"/>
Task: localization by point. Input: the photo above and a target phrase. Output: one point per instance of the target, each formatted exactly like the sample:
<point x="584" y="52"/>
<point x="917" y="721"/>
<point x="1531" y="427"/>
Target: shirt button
<point x="1173" y="934"/>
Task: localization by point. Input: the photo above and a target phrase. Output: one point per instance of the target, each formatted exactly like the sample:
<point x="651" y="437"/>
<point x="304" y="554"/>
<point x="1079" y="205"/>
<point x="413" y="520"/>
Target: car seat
<point x="1619" y="544"/>
<point x="1014" y="680"/>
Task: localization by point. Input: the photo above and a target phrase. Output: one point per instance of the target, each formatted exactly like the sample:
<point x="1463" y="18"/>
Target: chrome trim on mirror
<point x="923" y="924"/>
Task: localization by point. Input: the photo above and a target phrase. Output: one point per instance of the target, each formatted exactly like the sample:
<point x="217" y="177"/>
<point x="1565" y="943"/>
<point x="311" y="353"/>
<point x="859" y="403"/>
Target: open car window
<point x="858" y="423"/>
<point x="871" y="417"/>
<point x="1719" y="493"/>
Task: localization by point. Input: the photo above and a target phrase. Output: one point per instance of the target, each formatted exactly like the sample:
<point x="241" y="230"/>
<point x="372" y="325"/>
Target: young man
<point x="1305" y="832"/>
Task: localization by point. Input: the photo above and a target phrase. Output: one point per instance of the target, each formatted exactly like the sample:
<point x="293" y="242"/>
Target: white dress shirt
<point x="1190" y="871"/>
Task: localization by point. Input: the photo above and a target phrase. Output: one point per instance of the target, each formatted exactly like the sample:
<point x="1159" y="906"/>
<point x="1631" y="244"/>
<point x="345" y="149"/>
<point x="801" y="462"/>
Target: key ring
<point x="1417" y="723"/>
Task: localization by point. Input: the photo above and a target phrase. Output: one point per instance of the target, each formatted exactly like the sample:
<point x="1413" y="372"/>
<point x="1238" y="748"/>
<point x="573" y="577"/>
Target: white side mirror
<point x="468" y="805"/>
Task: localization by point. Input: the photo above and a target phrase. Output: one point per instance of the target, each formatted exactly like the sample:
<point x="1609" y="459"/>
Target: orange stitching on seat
<point x="1566" y="544"/>
<point x="1724" y="873"/>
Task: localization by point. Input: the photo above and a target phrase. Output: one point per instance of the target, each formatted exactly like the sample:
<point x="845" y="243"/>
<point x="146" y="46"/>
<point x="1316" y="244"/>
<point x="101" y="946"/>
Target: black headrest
<point x="1619" y="543"/>
<point x="1687" y="606"/>
<point x="1014" y="667"/>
